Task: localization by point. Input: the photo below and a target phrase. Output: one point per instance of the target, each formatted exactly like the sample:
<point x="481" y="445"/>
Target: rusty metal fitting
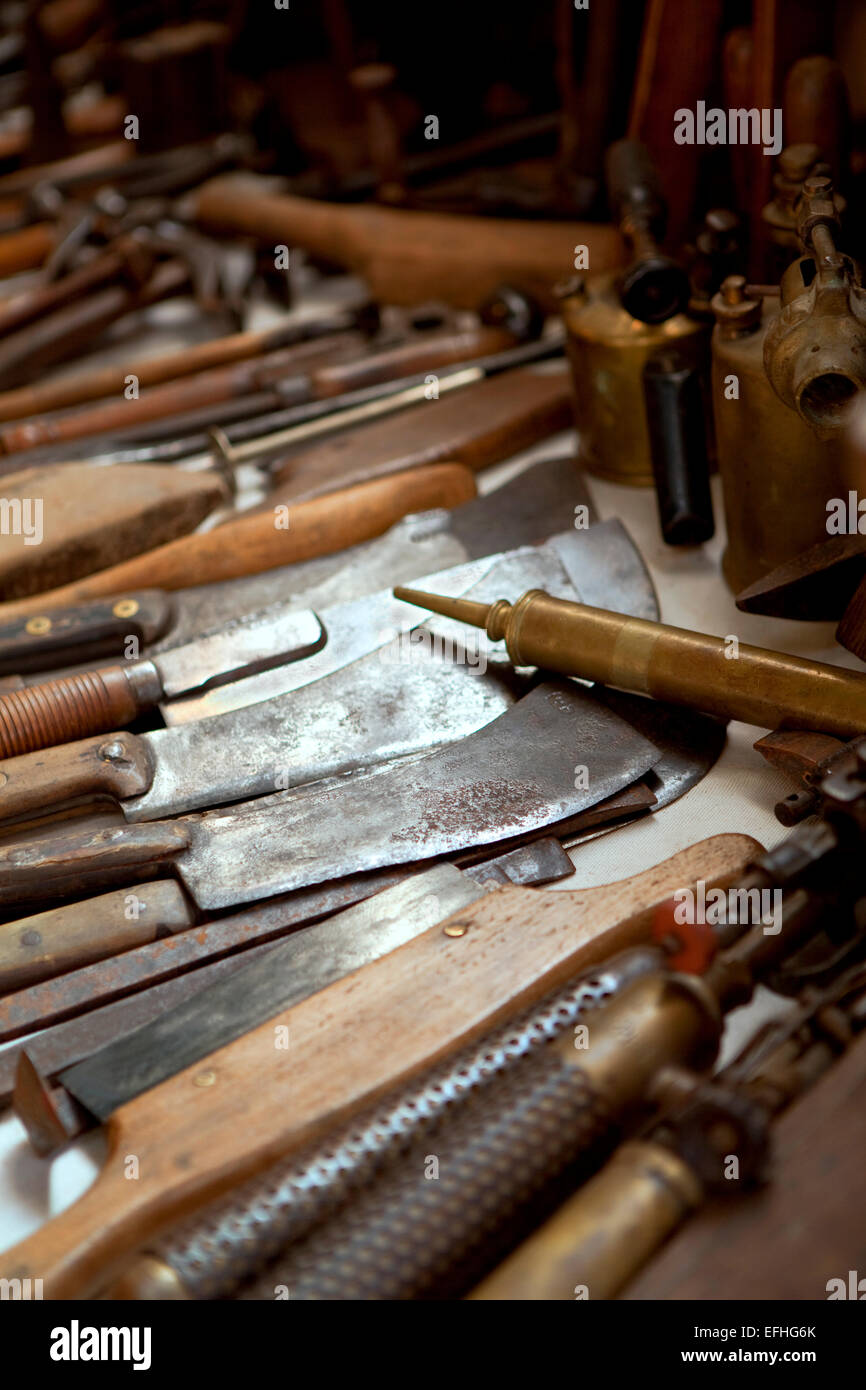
<point x="736" y="313"/>
<point x="815" y="351"/>
<point x="817" y="209"/>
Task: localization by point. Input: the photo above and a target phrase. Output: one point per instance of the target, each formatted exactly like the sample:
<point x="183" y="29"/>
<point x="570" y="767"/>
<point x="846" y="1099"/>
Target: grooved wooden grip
<point x="251" y="544"/>
<point x="69" y="708"/>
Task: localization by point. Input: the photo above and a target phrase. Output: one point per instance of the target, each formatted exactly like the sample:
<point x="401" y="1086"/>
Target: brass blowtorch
<point x="714" y="674"/>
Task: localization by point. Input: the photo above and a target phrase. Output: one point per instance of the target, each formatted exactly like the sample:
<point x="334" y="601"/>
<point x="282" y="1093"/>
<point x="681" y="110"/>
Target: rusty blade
<point x="297" y="967"/>
<point x="506" y="783"/>
<point x="53" y="1000"/>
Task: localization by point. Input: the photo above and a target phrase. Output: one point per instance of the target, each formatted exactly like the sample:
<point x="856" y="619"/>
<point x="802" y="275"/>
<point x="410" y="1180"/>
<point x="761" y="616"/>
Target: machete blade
<point x="537" y="503"/>
<point x="410" y="696"/>
<point x="602" y="563"/>
<point x="512" y="778"/>
<point x="306" y="962"/>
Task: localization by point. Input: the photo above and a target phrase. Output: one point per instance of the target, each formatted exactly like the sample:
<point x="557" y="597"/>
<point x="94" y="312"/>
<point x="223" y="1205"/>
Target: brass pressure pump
<point x="753" y="684"/>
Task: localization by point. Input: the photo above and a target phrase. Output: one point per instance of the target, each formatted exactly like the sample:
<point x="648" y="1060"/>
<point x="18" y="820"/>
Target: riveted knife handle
<point x="77" y="934"/>
<point x="67" y="636"/>
<point x="81" y="859"/>
<point x="73" y="707"/>
<point x="118" y="765"/>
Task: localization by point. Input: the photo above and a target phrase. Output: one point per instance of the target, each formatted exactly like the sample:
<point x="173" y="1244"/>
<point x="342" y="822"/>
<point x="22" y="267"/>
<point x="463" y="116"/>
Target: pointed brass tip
<point x="463" y="609"/>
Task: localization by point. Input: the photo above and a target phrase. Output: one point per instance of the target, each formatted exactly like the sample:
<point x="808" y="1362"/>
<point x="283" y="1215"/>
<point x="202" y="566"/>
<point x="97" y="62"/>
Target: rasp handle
<point x="72" y="707"/>
<point x="228" y="1116"/>
<point x="120" y="765"/>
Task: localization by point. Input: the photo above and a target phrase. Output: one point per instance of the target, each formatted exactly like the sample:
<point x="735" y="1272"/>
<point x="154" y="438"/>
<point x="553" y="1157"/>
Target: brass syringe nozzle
<point x="490" y="616"/>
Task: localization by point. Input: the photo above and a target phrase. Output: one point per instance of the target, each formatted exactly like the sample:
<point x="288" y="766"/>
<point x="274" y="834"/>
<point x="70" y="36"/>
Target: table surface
<point x="738" y="795"/>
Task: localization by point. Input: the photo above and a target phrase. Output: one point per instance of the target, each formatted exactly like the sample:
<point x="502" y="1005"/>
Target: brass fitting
<point x="815" y="351"/>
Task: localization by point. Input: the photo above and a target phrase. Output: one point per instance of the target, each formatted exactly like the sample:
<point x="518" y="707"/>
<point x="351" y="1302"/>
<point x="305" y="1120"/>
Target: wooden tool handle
<point x="173" y="398"/>
<point x="98" y="384"/>
<point x="78" y="860"/>
<point x="432" y="350"/>
<point x="65" y="636"/>
<point x="71" y="707"/>
<point x="249" y="545"/>
<point x="851" y="632"/>
<point x="226" y="1117"/>
<point x="67" y="938"/>
<point x="407" y="257"/>
<point x="26" y="249"/>
<point x="120" y="765"/>
<point x="478" y="425"/>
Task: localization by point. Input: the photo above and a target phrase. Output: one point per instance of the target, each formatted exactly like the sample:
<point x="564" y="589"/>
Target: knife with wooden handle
<point x="225" y="1117"/>
<point x="91" y="702"/>
<point x="251" y="544"/>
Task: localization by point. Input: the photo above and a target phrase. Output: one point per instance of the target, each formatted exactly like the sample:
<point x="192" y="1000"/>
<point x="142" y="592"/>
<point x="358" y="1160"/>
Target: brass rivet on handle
<point x="3" y="779"/>
<point x="38" y="626"/>
<point x="204" y="1078"/>
<point x="125" y="608"/>
<point x="456" y="929"/>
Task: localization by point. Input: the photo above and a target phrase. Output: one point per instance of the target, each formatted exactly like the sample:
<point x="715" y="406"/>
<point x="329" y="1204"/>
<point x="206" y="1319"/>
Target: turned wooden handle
<point x="407" y="257"/>
<point x="26" y="249"/>
<point x="71" y="707"/>
<point x="251" y="544"/>
<point x="187" y="393"/>
<point x="403" y="1012"/>
<point x="431" y="350"/>
<point x="116" y="765"/>
<point x="67" y="938"/>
